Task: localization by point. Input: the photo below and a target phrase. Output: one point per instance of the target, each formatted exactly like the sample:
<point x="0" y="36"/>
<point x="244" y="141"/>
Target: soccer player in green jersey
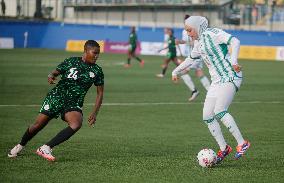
<point x="132" y="47"/>
<point x="78" y="74"/>
<point x="171" y="55"/>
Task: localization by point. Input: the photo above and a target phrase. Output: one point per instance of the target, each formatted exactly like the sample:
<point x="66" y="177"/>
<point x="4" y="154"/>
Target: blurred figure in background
<point x="132" y="47"/>
<point x="172" y="56"/>
<point x="198" y="70"/>
<point x="19" y="8"/>
<point x="3" y="7"/>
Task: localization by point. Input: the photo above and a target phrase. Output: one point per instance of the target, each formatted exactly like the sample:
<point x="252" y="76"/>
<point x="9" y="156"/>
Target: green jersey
<point x="172" y="47"/>
<point x="76" y="79"/>
<point x="172" y="44"/>
<point x="132" y="39"/>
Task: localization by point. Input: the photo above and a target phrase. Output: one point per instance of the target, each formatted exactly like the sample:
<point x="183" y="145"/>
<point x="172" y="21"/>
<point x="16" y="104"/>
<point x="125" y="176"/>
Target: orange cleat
<point x="142" y="63"/>
<point x="241" y="149"/>
<point x="45" y="152"/>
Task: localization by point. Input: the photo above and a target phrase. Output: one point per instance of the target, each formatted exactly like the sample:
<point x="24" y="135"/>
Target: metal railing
<point x="140" y="2"/>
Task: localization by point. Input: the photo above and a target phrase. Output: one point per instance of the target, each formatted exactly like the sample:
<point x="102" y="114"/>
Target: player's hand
<point x="237" y="68"/>
<point x="51" y="79"/>
<point x="92" y="120"/>
<point x="176" y="41"/>
<point x="175" y="79"/>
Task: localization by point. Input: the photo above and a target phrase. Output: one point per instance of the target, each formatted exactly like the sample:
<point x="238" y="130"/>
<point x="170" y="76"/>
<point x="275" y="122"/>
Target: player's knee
<point x="208" y="118"/>
<point x="75" y="126"/>
<point x="199" y="73"/>
<point x="220" y="114"/>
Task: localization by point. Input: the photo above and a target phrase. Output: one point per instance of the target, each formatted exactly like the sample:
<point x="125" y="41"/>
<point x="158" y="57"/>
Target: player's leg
<point x="141" y="62"/>
<point x="203" y="79"/>
<point x="127" y="65"/>
<point x="74" y="120"/>
<point x="40" y="122"/>
<point x="213" y="124"/>
<point x="136" y="57"/>
<point x="224" y="99"/>
<point x="188" y="81"/>
<point x="164" y="68"/>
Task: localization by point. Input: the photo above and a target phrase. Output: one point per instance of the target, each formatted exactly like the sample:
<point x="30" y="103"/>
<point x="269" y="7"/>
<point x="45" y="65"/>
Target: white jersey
<point x="188" y="47"/>
<point x="187" y="39"/>
<point x="213" y="49"/>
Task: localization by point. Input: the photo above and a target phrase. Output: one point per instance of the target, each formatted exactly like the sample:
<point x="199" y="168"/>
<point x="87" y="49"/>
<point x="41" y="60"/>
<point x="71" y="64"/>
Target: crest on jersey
<point x="92" y="75"/>
<point x="46" y="107"/>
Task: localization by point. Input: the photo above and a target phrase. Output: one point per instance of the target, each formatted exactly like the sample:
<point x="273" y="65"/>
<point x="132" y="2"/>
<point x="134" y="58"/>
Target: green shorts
<point x="132" y="49"/>
<point x="171" y="55"/>
<point x="55" y="104"/>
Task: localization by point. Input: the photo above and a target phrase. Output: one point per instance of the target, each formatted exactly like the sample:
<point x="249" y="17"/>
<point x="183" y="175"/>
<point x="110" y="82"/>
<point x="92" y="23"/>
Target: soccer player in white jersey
<point x="226" y="77"/>
<point x="198" y="70"/>
<point x="172" y="56"/>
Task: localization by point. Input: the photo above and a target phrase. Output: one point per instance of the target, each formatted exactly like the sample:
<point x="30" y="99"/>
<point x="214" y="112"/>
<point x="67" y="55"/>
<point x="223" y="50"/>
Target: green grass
<point x="139" y="143"/>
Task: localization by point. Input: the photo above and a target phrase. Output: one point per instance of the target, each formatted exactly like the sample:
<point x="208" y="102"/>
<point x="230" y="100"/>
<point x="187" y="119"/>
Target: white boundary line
<point x="150" y="103"/>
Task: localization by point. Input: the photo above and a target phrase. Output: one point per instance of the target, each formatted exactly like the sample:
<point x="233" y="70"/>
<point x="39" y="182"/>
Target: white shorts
<point x="219" y="97"/>
<point x="199" y="65"/>
<point x="223" y="89"/>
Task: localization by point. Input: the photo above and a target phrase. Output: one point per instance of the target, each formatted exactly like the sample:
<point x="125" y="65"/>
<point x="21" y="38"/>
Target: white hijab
<point x="199" y="23"/>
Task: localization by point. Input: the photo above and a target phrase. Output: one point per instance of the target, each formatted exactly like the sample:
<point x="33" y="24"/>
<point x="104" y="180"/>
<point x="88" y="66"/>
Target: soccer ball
<point x="206" y="158"/>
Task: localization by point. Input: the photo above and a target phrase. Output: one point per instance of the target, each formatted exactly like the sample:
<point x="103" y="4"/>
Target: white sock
<point x="216" y="132"/>
<point x="230" y="123"/>
<point x="188" y="82"/>
<point x="205" y="82"/>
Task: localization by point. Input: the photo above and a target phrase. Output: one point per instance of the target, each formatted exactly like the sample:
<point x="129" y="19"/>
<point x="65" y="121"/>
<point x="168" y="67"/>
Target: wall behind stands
<point x="54" y="35"/>
<point x="258" y="45"/>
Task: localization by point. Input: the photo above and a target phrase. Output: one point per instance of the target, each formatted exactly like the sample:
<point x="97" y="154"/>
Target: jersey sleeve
<point x="223" y="37"/>
<point x="195" y="53"/>
<point x="63" y="66"/>
<point x="99" y="80"/>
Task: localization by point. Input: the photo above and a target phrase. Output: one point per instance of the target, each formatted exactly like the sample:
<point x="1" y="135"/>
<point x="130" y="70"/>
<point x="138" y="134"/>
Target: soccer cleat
<point x="45" y="152"/>
<point x="126" y="65"/>
<point x="222" y="154"/>
<point x="160" y="75"/>
<point x="241" y="149"/>
<point x="194" y="94"/>
<point x="142" y="63"/>
<point x="15" y="151"/>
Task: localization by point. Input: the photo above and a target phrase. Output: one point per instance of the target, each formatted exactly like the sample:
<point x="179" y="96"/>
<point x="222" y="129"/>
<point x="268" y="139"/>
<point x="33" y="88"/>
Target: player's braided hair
<point x="91" y="43"/>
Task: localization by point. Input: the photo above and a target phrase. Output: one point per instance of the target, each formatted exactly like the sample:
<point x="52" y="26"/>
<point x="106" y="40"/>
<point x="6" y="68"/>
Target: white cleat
<point x="15" y="151"/>
<point x="45" y="152"/>
<point x="194" y="94"/>
<point x="160" y="75"/>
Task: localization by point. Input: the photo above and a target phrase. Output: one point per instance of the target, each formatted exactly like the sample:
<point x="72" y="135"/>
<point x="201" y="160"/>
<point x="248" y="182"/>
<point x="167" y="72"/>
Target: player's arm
<point x="235" y="48"/>
<point x="99" y="99"/>
<point x="177" y="41"/>
<point x="234" y="43"/>
<point x="190" y="62"/>
<point x="52" y="76"/>
<point x="184" y="67"/>
<point x="163" y="49"/>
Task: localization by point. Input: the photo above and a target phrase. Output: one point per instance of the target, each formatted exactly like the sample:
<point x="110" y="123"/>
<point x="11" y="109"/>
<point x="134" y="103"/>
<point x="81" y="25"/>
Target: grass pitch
<point x="146" y="130"/>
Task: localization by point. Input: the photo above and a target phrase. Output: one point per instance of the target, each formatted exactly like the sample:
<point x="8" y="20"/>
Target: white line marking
<point x="150" y="103"/>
